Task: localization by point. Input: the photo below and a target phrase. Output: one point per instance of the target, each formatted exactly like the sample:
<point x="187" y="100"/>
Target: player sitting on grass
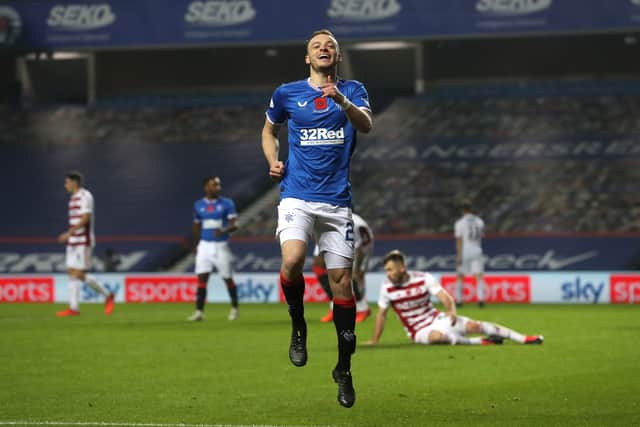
<point x="409" y="293"/>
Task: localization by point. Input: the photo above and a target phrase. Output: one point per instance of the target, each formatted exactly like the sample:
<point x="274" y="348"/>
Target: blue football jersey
<point x="321" y="140"/>
<point x="213" y="214"/>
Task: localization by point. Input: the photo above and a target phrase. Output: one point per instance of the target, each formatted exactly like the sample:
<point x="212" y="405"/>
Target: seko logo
<point x="219" y="13"/>
<point x="26" y="289"/>
<point x="78" y="17"/>
<point x="506" y="289"/>
<point x="363" y="10"/>
<point x="625" y="288"/>
<point x="160" y="288"/>
<point x="512" y="7"/>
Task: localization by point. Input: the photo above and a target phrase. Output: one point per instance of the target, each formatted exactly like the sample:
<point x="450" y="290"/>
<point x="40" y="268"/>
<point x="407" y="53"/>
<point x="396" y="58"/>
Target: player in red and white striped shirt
<point x="410" y="292"/>
<point x="80" y="240"/>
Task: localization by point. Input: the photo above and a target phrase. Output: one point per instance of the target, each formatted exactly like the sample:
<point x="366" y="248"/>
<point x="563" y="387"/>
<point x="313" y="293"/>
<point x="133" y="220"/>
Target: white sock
<point x="362" y="305"/>
<point x="74" y="294"/>
<point x="97" y="286"/>
<point x="493" y="329"/>
<point x="459" y="290"/>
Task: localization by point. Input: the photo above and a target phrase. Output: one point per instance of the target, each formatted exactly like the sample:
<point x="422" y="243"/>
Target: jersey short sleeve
<point x="458" y="229"/>
<point x="86" y="203"/>
<point x="383" y="299"/>
<point x="432" y="284"/>
<point x="277" y="112"/>
<point x="360" y="97"/>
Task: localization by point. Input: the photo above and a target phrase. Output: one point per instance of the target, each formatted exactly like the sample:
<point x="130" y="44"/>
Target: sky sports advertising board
<point x="572" y="287"/>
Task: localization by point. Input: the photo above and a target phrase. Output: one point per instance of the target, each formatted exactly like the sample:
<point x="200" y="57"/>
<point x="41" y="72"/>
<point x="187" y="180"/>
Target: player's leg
<point x="441" y="332"/>
<point x="459" y="286"/>
<point x="93" y="283"/>
<point x="292" y="282"/>
<point x="223" y="261"/>
<point x="494" y="330"/>
<point x="320" y="270"/>
<point x="360" y="262"/>
<point x="477" y="269"/>
<point x="295" y="226"/>
<point x="335" y="238"/>
<point x="204" y="265"/>
<point x="74" y="263"/>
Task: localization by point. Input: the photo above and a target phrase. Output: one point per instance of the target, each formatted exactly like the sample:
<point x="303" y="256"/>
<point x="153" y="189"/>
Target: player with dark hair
<point x="214" y="218"/>
<point x="324" y="114"/>
<point x="410" y="292"/>
<point x="80" y="240"/>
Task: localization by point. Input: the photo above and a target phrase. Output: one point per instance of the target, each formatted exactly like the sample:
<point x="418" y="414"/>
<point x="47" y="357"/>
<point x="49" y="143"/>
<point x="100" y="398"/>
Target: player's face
<point x="395" y="271"/>
<point x="70" y="185"/>
<point x="212" y="188"/>
<point x="323" y="53"/>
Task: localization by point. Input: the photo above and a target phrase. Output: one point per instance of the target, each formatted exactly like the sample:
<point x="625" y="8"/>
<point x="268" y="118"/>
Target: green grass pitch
<point x="147" y="364"/>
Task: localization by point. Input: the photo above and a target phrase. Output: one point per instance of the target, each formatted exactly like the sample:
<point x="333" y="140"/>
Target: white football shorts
<point x="331" y="225"/>
<point x="442" y="324"/>
<point x="214" y="254"/>
<point x="471" y="265"/>
<point x="79" y="257"/>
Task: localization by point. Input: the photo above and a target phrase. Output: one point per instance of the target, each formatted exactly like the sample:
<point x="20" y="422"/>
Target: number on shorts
<point x="348" y="236"/>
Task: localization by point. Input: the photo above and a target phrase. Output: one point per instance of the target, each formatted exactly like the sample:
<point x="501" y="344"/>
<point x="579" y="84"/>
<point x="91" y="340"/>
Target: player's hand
<point x="276" y="171"/>
<point x="453" y="317"/>
<point x="330" y="90"/>
<point x="62" y="238"/>
<point x="218" y="233"/>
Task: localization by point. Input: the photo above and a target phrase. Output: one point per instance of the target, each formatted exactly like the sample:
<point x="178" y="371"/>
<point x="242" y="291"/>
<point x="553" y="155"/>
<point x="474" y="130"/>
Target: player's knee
<point x="292" y="265"/>
<point x="473" y="327"/>
<point x="437" y="337"/>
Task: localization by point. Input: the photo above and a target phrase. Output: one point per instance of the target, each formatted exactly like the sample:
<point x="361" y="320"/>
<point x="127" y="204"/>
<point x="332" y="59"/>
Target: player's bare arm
<point x="271" y="148"/>
<point x="233" y="226"/>
<point x="381" y="318"/>
<point x="84" y="220"/>
<point x="360" y="118"/>
<point x="195" y="235"/>
<point x="458" y="250"/>
<point x="447" y="300"/>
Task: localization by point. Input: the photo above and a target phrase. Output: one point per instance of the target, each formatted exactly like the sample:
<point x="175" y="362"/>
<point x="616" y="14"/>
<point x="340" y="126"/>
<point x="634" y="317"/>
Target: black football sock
<point x="344" y="319"/>
<point x="233" y="294"/>
<point x="201" y="296"/>
<point x="294" y="294"/>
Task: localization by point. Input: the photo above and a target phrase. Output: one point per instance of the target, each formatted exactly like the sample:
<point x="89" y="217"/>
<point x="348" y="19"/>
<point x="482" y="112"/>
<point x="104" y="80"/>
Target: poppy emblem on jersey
<point x="209" y="208"/>
<point x="321" y="103"/>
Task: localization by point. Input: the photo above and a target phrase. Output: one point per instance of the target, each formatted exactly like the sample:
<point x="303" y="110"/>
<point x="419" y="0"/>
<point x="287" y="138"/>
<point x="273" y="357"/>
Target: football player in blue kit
<point x="324" y="114"/>
<point x="214" y="218"/>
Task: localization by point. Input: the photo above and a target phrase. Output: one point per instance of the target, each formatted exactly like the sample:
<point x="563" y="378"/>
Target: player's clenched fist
<point x="276" y="170"/>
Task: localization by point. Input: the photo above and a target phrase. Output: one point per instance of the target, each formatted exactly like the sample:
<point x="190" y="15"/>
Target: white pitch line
<point x="114" y="424"/>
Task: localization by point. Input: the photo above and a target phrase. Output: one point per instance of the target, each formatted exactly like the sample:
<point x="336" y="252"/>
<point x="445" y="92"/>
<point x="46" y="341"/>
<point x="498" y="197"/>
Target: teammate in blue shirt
<point x="214" y="217"/>
<point x="324" y="114"/>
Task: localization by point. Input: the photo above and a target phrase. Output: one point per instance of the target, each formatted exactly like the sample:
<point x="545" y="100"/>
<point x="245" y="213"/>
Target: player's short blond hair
<point x="322" y="31"/>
